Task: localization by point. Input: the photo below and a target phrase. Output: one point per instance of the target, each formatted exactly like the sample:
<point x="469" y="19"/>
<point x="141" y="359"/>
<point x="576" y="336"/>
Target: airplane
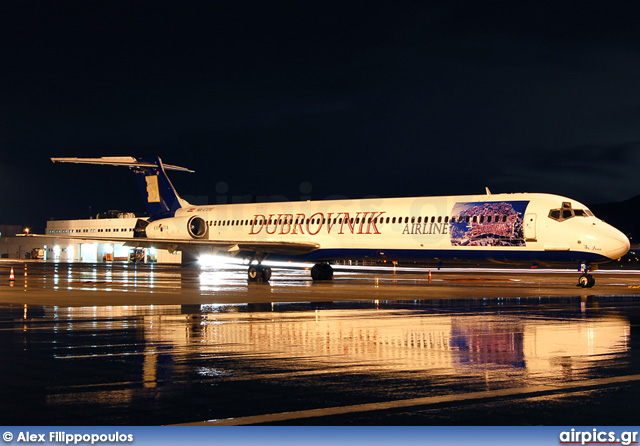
<point x="514" y="228"/>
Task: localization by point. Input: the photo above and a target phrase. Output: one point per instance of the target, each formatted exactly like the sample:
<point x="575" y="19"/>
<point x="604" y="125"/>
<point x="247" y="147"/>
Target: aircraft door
<point x="530" y="227"/>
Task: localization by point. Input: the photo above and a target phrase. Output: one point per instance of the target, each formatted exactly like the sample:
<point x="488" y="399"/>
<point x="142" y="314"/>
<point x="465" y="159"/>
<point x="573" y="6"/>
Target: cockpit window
<point x="566" y="212"/>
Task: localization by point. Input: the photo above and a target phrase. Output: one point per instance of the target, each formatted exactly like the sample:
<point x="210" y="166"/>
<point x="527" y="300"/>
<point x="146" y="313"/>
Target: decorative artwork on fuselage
<point x="498" y="223"/>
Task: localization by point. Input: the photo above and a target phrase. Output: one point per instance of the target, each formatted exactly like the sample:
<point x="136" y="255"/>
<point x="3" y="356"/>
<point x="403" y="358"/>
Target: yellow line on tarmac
<point x="413" y="402"/>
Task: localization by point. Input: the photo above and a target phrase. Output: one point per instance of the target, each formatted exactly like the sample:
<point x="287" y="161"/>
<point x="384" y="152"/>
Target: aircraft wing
<point x="230" y="246"/>
<point x="233" y="246"/>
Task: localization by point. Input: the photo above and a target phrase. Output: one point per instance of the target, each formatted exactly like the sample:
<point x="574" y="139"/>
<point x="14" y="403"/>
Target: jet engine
<point x="197" y="227"/>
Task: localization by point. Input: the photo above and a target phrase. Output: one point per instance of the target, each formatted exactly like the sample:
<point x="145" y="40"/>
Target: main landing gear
<point x="321" y="271"/>
<point x="259" y="273"/>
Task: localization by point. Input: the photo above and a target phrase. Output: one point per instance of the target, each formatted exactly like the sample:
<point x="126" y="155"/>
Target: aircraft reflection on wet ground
<point x="463" y="361"/>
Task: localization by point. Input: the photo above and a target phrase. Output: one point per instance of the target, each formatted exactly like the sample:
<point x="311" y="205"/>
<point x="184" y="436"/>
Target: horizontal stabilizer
<point x="128" y="161"/>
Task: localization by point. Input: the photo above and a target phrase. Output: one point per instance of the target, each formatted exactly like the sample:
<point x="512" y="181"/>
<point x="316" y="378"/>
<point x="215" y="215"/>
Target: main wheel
<point x="266" y="274"/>
<point x="327" y="272"/>
<point x="255" y="274"/>
<point x="322" y="271"/>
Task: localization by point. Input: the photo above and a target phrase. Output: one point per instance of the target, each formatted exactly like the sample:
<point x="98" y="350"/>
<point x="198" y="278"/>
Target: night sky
<point x="289" y="100"/>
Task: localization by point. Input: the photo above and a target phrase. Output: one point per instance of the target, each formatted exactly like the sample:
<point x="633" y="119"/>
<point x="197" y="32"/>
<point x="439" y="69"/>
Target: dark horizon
<point x="349" y="100"/>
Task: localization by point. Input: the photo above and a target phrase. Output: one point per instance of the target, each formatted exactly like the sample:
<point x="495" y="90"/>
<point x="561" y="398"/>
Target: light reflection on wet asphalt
<point x="170" y="364"/>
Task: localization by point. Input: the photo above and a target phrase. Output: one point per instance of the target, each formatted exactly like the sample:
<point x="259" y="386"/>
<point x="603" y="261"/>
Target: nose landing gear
<point x="586" y="280"/>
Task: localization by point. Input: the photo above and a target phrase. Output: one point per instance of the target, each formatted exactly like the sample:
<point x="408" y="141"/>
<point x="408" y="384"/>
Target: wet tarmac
<point x="83" y="284"/>
<point x="126" y="345"/>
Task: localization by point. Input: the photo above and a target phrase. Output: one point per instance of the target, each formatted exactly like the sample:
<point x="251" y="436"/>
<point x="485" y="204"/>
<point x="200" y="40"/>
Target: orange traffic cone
<point x="429" y="276"/>
<point x="12" y="277"/>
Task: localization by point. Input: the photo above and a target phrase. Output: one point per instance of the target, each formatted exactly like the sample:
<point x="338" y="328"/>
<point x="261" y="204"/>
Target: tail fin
<point x="159" y="195"/>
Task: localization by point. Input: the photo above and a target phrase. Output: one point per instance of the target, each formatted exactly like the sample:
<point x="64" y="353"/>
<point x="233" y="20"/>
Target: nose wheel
<point x="586" y="281"/>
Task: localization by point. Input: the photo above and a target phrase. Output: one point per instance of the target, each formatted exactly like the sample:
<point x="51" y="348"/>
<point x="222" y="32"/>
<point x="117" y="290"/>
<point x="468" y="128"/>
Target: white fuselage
<point x="515" y="228"/>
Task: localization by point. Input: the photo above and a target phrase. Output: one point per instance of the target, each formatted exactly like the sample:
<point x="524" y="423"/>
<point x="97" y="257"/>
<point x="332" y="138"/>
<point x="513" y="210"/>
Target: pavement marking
<point x="413" y="402"/>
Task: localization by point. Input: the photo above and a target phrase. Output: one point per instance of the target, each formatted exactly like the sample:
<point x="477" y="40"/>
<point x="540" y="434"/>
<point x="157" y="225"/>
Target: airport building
<point x="59" y="246"/>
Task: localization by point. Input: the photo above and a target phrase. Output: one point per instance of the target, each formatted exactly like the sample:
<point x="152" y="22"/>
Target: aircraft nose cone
<point x="617" y="246"/>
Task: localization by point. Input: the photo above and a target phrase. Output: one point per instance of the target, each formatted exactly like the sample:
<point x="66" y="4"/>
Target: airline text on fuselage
<point x="331" y="222"/>
<point x="426" y="228"/>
